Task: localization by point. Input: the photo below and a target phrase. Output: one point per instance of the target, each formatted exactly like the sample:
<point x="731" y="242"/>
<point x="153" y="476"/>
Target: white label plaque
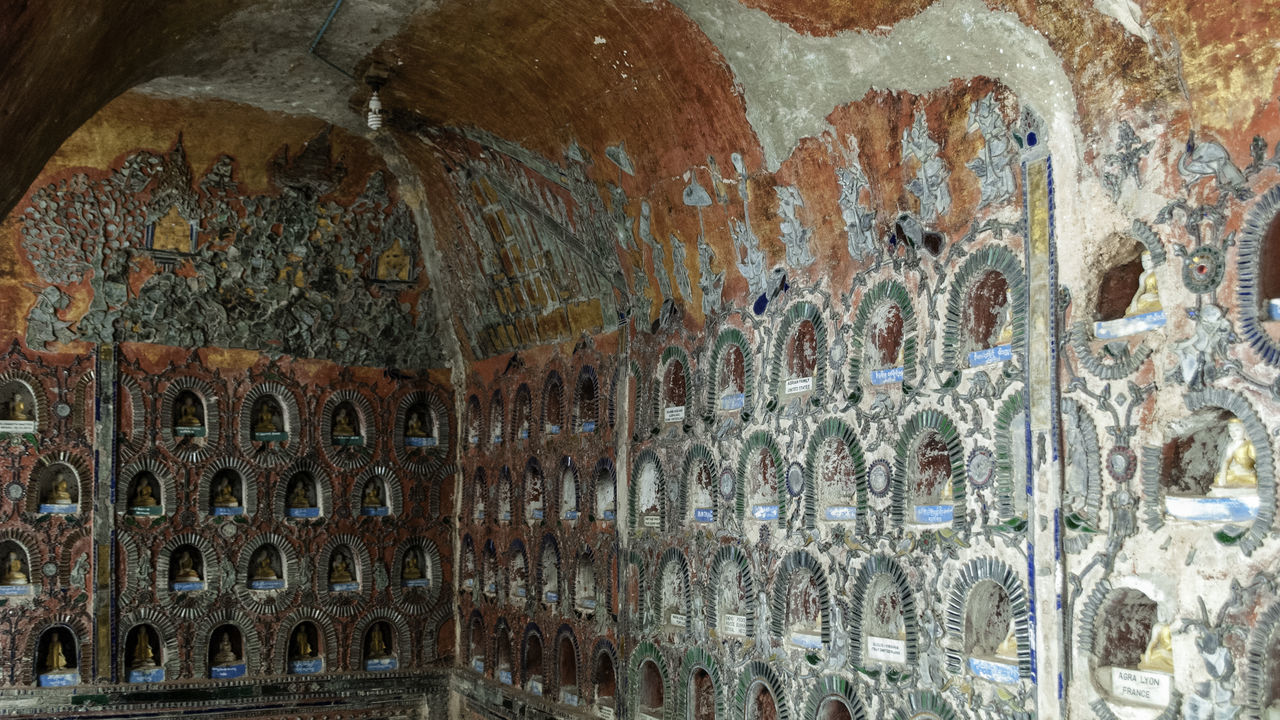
<point x="886" y="649"/>
<point x="1140" y="686"/>
<point x="679" y="620"/>
<point x="673" y="414"/>
<point x="604" y="712"/>
<point x="734" y="624"/>
<point x="653" y="521"/>
<point x="798" y="385"/>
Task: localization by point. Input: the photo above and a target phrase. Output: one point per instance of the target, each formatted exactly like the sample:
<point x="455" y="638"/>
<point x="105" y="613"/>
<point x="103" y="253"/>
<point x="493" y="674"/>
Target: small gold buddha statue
<point x="299" y="498"/>
<point x="266" y="420"/>
<point x="226" y="655"/>
<point x="377" y="647"/>
<point x="411" y="569"/>
<point x="1008" y="648"/>
<point x="55" y="659"/>
<point x="301" y="645"/>
<point x="340" y="572"/>
<point x="1159" y="653"/>
<point x="186" y="568"/>
<point x="262" y="569"/>
<point x="342" y="423"/>
<point x="1236" y="469"/>
<point x="58" y="494"/>
<point x="414" y="428"/>
<point x="223" y="496"/>
<point x="142" y="496"/>
<point x="1006" y="332"/>
<point x="13" y="574"/>
<point x="372" y="496"/>
<point x="142" y="655"/>
<point x="18" y="408"/>
<point x="1147" y="298"/>
<point x="187" y="413"/>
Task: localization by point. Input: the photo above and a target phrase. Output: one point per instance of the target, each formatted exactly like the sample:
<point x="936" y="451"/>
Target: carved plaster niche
<point x="586" y="401"/>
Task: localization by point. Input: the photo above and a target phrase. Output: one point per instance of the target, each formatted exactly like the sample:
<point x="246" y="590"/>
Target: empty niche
<point x="519" y="572"/>
<point x="648" y="491"/>
<point x="505" y="492"/>
<point x="886" y="330"/>
<point x="146" y="497"/>
<point x="476" y="639"/>
<point x="834" y="708"/>
<point x="990" y="640"/>
<point x="57" y="658"/>
<point x="651" y="693"/>
<point x="56" y="489"/>
<point x="535" y="492"/>
<point x="549" y="570"/>
<point x="700" y="474"/>
<point x="801" y="360"/>
<point x="532" y="667"/>
<point x="226" y="652"/>
<point x="567" y="669"/>
<point x="803" y="619"/>
<point x="266" y="568"/>
<point x="673" y="584"/>
<point x="16" y="577"/>
<point x="344" y="428"/>
<point x="606" y="684"/>
<point x="702" y="695"/>
<point x="489" y="569"/>
<point x="343" y="570"/>
<point x="226" y="493"/>
<point x="521" y="412"/>
<point x="1208" y="471"/>
<point x="884" y="626"/>
<point x="987" y="318"/>
<point x="502" y="653"/>
<point x="473" y="420"/>
<point x="761" y="704"/>
<point x="553" y="404"/>
<point x="1133" y="656"/>
<point x="568" y="489"/>
<point x="380" y="647"/>
<point x="468" y="563"/>
<point x="675" y="388"/>
<point x="731" y="379"/>
<point x="732" y="598"/>
<point x="188" y="418"/>
<point x="306" y="653"/>
<point x="760" y="465"/>
<point x="144" y="654"/>
<point x="373" y="497"/>
<point x="497" y="417"/>
<point x="584" y="595"/>
<point x="837" y="480"/>
<point x="586" y="403"/>
<point x="303" y="496"/>
<point x="186" y="569"/>
<point x="606" y="490"/>
<point x="478" y="490"/>
<point x="930" y="493"/>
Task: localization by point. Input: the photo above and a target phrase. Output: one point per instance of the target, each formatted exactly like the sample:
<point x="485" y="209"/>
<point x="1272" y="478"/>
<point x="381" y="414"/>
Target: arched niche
<point x="227" y="493"/>
<point x="702" y="695"/>
<point x="801" y="607"/>
<point x="518" y="575"/>
<point x="19" y="404"/>
<point x="342" y="573"/>
<point x="585" y="589"/>
<point x="701" y="495"/>
<point x="144" y="654"/>
<point x="990" y="633"/>
<point x="986" y="310"/>
<point x="186" y="569"/>
<point x="188" y="416"/>
<point x="380" y="647"/>
<point x="1128" y="297"/>
<point x="267" y="419"/>
<point x="57" y="659"/>
<point x="303" y="495"/>
<point x="505" y="495"/>
<point x="55" y="488"/>
<point x="759" y="694"/>
<point x="422" y="421"/>
<point x="929" y="482"/>
<point x="553" y="404"/>
<point x="883" y="342"/>
<point x="833" y="698"/>
<point x="226" y="652"/>
<point x="1216" y="465"/>
<point x="604" y="681"/>
<point x="800" y="358"/>
<point x="344" y="424"/>
<point x="883" y="611"/>
<point x="1082" y="473"/>
<point x="531" y="662"/>
<point x="549" y="571"/>
<point x="567" y="667"/>
<point x="761" y="703"/>
<point x="835" y="470"/>
<point x="490" y="570"/>
<point x="16" y="578"/>
<point x="650" y="692"/>
<point x="503" y="653"/>
<point x="1258" y="281"/>
<point x="834" y="708"/>
<point x="675" y="387"/>
<point x="759" y="478"/>
<point x="468" y="563"/>
<point x="497" y="418"/>
<point x="586" y="400"/>
<point x="376" y="494"/>
<point x="476" y="641"/>
<point x="306" y="649"/>
<point x="672" y="598"/>
<point x="145" y="494"/>
<point x="648" y="488"/>
<point x="729" y="598"/>
<point x="732" y="374"/>
<point x="606" y="490"/>
<point x="521" y="413"/>
<point x="568" y="489"/>
<point x="1130" y="651"/>
<point x="266" y="569"/>
<point x="478" y="490"/>
<point x="473" y="420"/>
<point x="535" y="492"/>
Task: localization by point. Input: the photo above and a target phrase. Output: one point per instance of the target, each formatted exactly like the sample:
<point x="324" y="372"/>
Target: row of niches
<point x="223" y="652"/>
<point x="511" y="577"/>
<point x="556" y="418"/>
<point x="522" y="660"/>
<point x="230" y="489"/>
<point x="565" y="496"/>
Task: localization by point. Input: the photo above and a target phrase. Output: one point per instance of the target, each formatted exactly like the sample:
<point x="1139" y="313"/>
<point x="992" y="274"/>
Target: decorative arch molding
<point x="1258" y="667"/>
<point x="1248" y="290"/>
<point x="531" y="630"/>
<point x="973" y="572"/>
<point x="266" y="602"/>
<point x="185" y="448"/>
<point x="522" y="411"/>
<point x="834" y="687"/>
<point x="214" y="571"/>
<point x="248" y="484"/>
<point x="586" y="375"/>
<point x="47" y="465"/>
<point x="475" y="616"/>
<point x="694" y="660"/>
<point x="81" y="635"/>
<point x="403" y="649"/>
<point x="324" y="627"/>
<point x="167" y="489"/>
<point x="1078" y="421"/>
<point x="648" y="455"/>
<point x="251" y="649"/>
<point x="549" y="542"/>
<point x="646" y="651"/>
<point x="989" y="257"/>
<point x="673" y="555"/>
<point x="565" y="631"/>
<point x="759" y="672"/>
<point x="270" y="454"/>
<point x="166" y="630"/>
<point x="799" y="561"/>
<point x="1087" y="637"/>
<point x="796" y="314"/>
<point x="1005" y="471"/>
<point x="344" y="603"/>
<point x="349" y="457"/>
<point x="323" y="488"/>
<point x="873" y="567"/>
<point x="133" y="436"/>
<point x="831" y="428"/>
<point x="730" y="337"/>
<point x="39" y="403"/>
<point x="672" y="353"/>
<point x="1264" y="466"/>
<point x="393" y="493"/>
<point x="760" y="439"/>
<point x="925" y="702"/>
<point x="604" y="467"/>
<point x="423" y="460"/>
<point x="886" y="291"/>
<point x="557" y="505"/>
<point x="698" y="457"/>
<point x="740" y="563"/>
<point x="433" y="623"/>
<point x="554" y="381"/>
<point x="920" y="423"/>
<point x="416" y="601"/>
<point x="501" y="627"/>
<point x="473" y="419"/>
<point x="495" y="423"/>
<point x="604" y="648"/>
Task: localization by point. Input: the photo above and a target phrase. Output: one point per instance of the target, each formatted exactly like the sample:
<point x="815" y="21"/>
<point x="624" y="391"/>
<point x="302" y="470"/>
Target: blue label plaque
<point x="58" y="509"/>
<point x="304" y="512"/>
<point x="150" y="675"/>
<point x="380" y="664"/>
<point x="524" y="433"/>
<point x="504" y="676"/>
<point x="12" y="590"/>
<point x="218" y="510"/>
<point x="552" y="597"/>
<point x="997" y="354"/>
<point x="370" y="510"/>
<point x="608" y="515"/>
<point x="418" y="583"/>
<point x="306" y="667"/>
<point x="344" y="587"/>
<point x="733" y="401"/>
<point x="886" y="376"/>
<point x="1273" y="309"/>
<point x="934" y="514"/>
<point x="570" y="514"/>
<point x="704" y="515"/>
<point x="189" y="431"/>
<point x="553" y="429"/>
<point x="266" y="584"/>
<point x="62" y="678"/>
<point x="588" y="426"/>
<point x="994" y="671"/>
<point x="536" y="513"/>
<point x="226" y="672"/>
<point x="841" y="512"/>
<point x="1213" y="509"/>
<point x="477" y="665"/>
<point x="764" y="512"/>
<point x="270" y="436"/>
<point x="415" y="442"/>
<point x="1124" y="327"/>
<point x="188" y="586"/>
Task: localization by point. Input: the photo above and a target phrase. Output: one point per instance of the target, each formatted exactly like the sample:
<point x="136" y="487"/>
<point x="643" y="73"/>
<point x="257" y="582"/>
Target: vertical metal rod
<point x="323" y="29"/>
